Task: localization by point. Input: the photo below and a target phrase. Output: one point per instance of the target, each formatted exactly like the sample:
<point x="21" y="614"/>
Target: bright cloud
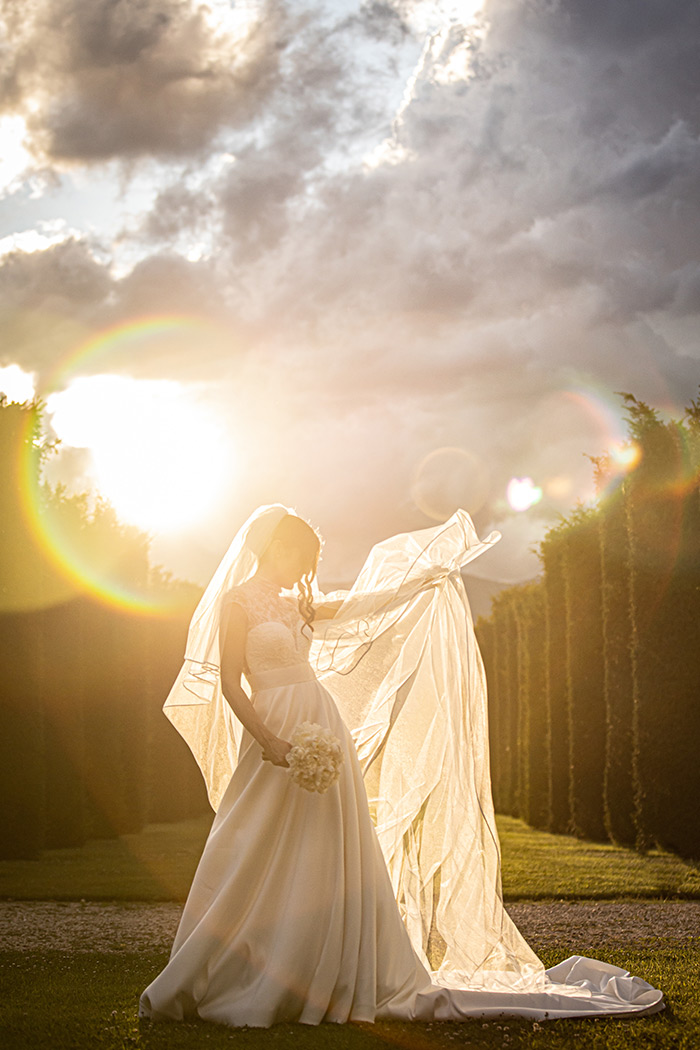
<point x="16" y="385"/>
<point x="15" y="159"/>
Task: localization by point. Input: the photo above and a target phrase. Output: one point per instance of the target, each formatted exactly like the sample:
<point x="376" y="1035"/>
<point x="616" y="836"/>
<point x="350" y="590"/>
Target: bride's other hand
<point x="276" y="751"/>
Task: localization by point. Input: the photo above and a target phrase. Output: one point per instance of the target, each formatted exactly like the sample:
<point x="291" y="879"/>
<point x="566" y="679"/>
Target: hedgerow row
<point x="594" y="668"/>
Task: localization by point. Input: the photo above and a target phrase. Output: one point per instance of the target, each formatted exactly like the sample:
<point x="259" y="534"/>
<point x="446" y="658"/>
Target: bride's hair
<point x="295" y="532"/>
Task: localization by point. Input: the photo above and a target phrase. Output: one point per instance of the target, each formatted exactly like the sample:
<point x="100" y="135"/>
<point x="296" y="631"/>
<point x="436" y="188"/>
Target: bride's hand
<point x="275" y="751"/>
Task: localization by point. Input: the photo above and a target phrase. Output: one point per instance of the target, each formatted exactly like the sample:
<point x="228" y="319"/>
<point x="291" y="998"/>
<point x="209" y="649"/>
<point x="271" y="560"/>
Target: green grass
<point x="158" y="864"/>
<point x="89" y="1001"/>
<point x="155" y="865"/>
<point x="537" y="866"/>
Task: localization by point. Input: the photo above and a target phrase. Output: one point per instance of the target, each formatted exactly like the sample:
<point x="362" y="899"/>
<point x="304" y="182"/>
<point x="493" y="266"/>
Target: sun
<point x="157" y="454"/>
<point x="236" y="20"/>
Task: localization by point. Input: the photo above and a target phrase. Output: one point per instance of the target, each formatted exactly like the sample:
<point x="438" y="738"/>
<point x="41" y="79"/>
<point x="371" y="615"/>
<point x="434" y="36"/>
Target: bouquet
<point x="315" y="758"/>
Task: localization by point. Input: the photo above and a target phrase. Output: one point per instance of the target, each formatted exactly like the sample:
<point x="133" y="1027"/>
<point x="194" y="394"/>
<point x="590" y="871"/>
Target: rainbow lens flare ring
<point x="81" y="574"/>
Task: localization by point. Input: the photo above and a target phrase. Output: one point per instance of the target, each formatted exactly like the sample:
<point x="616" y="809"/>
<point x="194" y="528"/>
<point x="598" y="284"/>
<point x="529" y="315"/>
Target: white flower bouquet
<point x="315" y="758"/>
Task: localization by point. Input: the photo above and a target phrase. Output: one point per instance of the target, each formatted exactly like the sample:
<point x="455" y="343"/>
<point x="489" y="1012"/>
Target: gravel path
<point x="575" y="926"/>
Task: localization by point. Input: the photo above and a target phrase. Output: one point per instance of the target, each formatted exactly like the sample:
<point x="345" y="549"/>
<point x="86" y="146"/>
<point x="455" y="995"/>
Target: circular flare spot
<point x="522" y="493"/>
<point x="447" y="479"/>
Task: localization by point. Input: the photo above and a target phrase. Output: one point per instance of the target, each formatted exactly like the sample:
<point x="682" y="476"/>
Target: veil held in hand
<point x="401" y="661"/>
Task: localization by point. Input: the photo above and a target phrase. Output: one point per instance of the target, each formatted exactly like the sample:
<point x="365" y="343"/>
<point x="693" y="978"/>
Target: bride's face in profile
<point x="286" y="564"/>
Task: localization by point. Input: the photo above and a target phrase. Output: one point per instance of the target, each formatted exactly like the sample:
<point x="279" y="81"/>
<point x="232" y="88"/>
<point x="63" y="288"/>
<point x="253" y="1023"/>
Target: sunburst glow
<point x="15" y="384"/>
<point x="157" y="455"/>
<point x="428" y="15"/>
<point x="235" y="19"/>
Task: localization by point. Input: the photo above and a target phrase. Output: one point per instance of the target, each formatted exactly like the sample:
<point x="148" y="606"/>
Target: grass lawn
<point x="66" y="1000"/>
<point x="89" y="1001"/>
<point x="159" y="862"/>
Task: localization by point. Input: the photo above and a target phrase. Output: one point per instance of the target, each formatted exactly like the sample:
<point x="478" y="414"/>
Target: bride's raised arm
<point x="328" y="608"/>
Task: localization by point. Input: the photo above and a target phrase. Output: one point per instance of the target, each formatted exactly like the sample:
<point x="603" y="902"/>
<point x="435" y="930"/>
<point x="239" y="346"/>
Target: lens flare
<point x="626" y="457"/>
<point x="614" y="453"/>
<point x="145" y="489"/>
<point x="559" y="487"/>
<point x="522" y="493"/>
<point x="449" y="478"/>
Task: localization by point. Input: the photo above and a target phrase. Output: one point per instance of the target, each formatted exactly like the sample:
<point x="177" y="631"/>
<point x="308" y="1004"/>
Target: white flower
<point x="315" y="758"/>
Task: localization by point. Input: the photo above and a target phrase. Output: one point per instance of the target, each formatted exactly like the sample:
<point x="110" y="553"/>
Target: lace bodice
<point x="277" y="635"/>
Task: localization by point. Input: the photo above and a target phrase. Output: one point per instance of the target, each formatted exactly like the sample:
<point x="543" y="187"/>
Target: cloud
<point x="536" y="180"/>
<point x="531" y="227"/>
<point x="102" y="79"/>
<point x="56" y="301"/>
<point x="65" y="277"/>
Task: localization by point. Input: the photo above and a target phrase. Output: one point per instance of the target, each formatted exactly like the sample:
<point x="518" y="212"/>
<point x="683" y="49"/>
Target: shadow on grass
<point x="158" y="865"/>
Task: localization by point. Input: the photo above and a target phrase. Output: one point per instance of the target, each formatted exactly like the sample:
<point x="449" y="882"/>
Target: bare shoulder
<point x="233" y="637"/>
<point x="235" y="614"/>
<point x="238" y="597"/>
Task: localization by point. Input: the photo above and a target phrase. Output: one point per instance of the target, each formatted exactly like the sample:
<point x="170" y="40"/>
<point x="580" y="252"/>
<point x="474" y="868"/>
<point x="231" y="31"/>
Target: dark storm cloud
<point x="167" y="284"/>
<point x="48" y="301"/>
<point x="101" y="79"/>
<point x="539" y="212"/>
<point x="688" y="290"/>
<point x="336" y="79"/>
<point x="382" y="20"/>
<point x="178" y="209"/>
<point x="532" y="228"/>
<point x="622" y="25"/>
<point x="554" y="186"/>
<point x="67" y="280"/>
<point x="64" y="278"/>
<point x="564" y="166"/>
<point x="53" y="301"/>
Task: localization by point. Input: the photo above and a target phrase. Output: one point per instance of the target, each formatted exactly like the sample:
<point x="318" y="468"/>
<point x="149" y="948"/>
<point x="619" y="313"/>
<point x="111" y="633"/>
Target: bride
<point x="379" y="897"/>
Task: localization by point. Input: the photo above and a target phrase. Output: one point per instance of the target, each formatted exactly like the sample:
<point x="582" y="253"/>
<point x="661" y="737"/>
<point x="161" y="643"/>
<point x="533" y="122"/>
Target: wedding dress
<point x="335" y="907"/>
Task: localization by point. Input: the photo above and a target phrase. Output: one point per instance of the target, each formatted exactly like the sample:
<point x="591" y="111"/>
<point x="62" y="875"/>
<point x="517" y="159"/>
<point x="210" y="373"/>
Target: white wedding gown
<point x="293" y="915"/>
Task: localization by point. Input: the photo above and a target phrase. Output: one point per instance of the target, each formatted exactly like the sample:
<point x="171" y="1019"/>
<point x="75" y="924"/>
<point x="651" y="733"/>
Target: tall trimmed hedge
<point x="618" y="780"/>
<point x="584" y="673"/>
<point x="552" y="552"/>
<point x="535" y="736"/>
<point x="65" y="632"/>
<point x="22" y="740"/>
<point x="84" y="747"/>
<point x="664" y="539"/>
<point x="506" y="668"/>
<point x="596" y="694"/>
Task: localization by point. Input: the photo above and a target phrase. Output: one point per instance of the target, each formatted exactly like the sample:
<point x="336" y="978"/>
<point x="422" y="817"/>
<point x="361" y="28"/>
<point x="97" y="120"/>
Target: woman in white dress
<point x="326" y="906"/>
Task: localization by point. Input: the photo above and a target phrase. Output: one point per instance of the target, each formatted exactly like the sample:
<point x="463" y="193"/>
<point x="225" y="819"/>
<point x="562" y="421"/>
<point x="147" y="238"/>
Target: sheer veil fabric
<point x="196" y="705"/>
<point x="401" y="663"/>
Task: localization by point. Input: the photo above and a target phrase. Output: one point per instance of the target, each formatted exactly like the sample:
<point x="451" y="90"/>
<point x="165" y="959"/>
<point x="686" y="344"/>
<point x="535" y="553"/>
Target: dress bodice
<point x="277" y="635"/>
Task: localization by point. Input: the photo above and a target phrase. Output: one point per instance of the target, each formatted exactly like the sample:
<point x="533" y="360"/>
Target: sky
<point x="374" y="260"/>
